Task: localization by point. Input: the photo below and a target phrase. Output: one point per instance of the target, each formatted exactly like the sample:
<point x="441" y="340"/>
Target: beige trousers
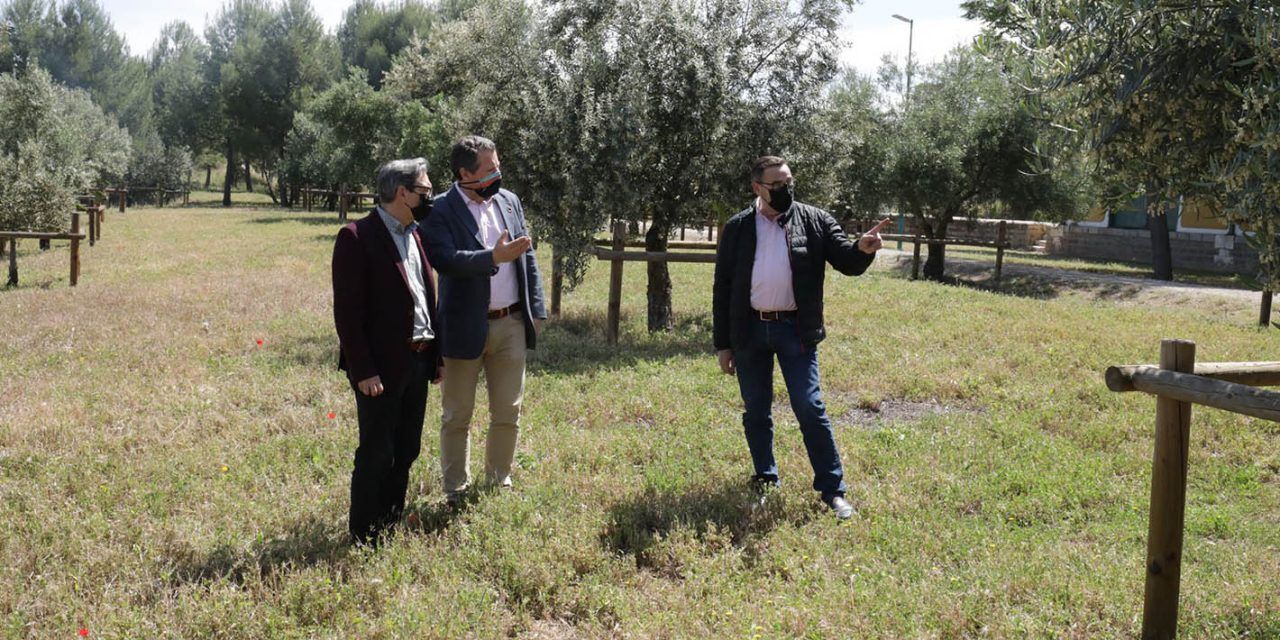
<point x="503" y="362"/>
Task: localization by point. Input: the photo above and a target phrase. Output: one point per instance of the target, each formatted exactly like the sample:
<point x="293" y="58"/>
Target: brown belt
<point x="502" y="313"/>
<point x="418" y="346"/>
<point x="773" y="316"/>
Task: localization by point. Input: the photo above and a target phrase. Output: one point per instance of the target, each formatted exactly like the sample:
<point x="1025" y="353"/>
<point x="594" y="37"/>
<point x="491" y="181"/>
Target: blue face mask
<point x="489" y="190"/>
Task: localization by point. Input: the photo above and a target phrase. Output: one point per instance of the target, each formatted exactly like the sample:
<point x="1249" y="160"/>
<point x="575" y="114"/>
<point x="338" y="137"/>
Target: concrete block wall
<point x="1210" y="252"/>
<point x="1196" y="251"/>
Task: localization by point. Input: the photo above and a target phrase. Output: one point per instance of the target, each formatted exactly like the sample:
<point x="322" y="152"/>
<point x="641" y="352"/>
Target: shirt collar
<point x="394" y="225"/>
<point x="762" y="219"/>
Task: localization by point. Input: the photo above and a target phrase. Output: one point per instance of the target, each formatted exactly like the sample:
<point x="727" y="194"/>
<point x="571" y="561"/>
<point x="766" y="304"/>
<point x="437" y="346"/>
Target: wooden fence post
<point x="13" y="262"/>
<point x="1264" y="314"/>
<point x="93" y="227"/>
<point x="75" y="248"/>
<point x="1168" y="500"/>
<point x="915" y="260"/>
<point x="343" y="202"/>
<point x="4" y="242"/>
<point x="557" y="281"/>
<point x="1001" y="233"/>
<point x="120" y="193"/>
<point x="711" y="230"/>
<point x="615" y="282"/>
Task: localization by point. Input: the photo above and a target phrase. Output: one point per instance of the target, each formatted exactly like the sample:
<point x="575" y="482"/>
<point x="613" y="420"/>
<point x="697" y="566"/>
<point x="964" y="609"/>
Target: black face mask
<point x="780" y="198"/>
<point x="490" y="190"/>
<point x="423" y="209"/>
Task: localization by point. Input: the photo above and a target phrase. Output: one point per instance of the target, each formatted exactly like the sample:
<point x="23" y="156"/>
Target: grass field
<point x="165" y="476"/>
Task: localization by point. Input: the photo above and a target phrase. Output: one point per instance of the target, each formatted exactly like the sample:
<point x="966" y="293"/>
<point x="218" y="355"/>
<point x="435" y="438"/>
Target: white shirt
<point x="403" y="238"/>
<point x="503" y="291"/>
<point x="771" y="288"/>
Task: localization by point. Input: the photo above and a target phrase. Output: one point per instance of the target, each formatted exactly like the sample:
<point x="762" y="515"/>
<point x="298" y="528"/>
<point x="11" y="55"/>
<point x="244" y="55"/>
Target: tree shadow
<point x="317" y="220"/>
<point x="981" y="277"/>
<point x="575" y="343"/>
<point x="716" y="516"/>
<point x="307" y="543"/>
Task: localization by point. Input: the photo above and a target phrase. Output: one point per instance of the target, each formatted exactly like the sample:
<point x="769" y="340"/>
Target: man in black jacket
<point x="767" y="303"/>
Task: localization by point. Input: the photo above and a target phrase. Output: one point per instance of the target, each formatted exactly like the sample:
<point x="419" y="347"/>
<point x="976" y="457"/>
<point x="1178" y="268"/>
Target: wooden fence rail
<point x="1178" y="382"/>
<point x="75" y="236"/>
<point x="344" y="199"/>
<point x="617" y="254"/>
<point x="1000" y="245"/>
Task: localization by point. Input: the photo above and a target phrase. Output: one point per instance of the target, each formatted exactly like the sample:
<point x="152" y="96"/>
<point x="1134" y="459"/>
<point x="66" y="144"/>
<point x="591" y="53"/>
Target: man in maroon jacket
<point x="384" y="307"/>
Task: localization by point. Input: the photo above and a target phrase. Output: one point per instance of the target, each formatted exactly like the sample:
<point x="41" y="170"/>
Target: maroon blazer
<point x="372" y="307"/>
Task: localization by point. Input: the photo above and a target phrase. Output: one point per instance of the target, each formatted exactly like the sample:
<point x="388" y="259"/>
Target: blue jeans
<point x="799" y="364"/>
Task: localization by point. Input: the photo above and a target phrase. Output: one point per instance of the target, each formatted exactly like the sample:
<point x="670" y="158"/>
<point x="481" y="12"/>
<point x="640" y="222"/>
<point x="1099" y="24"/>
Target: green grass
<point x="164" y="476"/>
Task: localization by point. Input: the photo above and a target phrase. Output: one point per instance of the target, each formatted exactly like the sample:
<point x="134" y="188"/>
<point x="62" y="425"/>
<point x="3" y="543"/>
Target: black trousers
<point x="390" y="439"/>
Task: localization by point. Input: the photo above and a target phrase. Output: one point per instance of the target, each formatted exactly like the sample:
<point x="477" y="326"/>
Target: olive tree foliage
<point x="1174" y="99"/>
<point x="56" y="145"/>
<point x="630" y="109"/>
<point x="966" y="143"/>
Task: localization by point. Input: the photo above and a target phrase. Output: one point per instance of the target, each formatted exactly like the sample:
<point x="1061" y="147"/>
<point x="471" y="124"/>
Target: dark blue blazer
<point x="465" y="266"/>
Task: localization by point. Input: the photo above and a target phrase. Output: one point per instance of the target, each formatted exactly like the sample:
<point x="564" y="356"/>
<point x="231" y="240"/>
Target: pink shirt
<point x="771" y="274"/>
<point x="503" y="291"/>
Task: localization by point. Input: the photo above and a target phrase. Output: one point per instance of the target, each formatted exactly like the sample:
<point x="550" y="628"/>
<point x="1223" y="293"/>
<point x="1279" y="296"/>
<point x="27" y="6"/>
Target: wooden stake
<point x="915" y="259"/>
<point x="75" y="248"/>
<point x="93" y="227"/>
<point x="13" y="262"/>
<point x="557" y="282"/>
<point x="1264" y="316"/>
<point x="1001" y="231"/>
<point x="1168" y="500"/>
<point x="615" y="283"/>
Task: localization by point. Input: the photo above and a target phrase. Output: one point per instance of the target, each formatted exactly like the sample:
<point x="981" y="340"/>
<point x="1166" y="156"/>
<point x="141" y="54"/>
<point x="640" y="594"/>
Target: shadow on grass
<point x="306" y="351"/>
<point x="716" y="517"/>
<point x="575" y="343"/>
<point x="980" y="277"/>
<point x="307" y="543"/>
<point x="318" y="219"/>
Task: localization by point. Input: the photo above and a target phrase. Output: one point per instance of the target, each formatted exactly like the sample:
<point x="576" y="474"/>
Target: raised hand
<point x="507" y="249"/>
<point x="870" y="241"/>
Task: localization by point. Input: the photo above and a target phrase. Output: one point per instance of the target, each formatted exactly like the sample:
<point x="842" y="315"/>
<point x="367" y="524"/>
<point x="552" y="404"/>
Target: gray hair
<point x="396" y="174"/>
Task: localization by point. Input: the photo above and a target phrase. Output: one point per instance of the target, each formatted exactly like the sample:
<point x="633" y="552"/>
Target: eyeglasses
<point x="419" y="189"/>
<point x="789" y="182"/>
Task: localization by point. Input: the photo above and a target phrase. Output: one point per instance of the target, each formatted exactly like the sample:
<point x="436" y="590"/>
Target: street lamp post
<point x="906" y="102"/>
<point x="911" y="28"/>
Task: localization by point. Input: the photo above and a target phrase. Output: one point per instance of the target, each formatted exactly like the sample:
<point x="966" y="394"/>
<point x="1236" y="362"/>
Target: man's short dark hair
<point x="764" y="163"/>
<point x="398" y="173"/>
<point x="466" y="154"/>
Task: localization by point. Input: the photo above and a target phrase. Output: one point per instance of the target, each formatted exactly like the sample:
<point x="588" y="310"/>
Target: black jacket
<point x="814" y="239"/>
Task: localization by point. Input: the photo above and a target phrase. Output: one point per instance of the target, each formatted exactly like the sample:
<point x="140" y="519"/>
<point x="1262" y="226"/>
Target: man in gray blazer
<point x="491" y="306"/>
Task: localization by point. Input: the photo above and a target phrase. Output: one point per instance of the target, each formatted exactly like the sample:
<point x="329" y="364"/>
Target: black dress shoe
<point x="840" y="507"/>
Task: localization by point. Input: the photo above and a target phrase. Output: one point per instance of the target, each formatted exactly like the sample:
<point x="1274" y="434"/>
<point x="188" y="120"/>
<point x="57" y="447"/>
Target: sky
<point x="868" y="32"/>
